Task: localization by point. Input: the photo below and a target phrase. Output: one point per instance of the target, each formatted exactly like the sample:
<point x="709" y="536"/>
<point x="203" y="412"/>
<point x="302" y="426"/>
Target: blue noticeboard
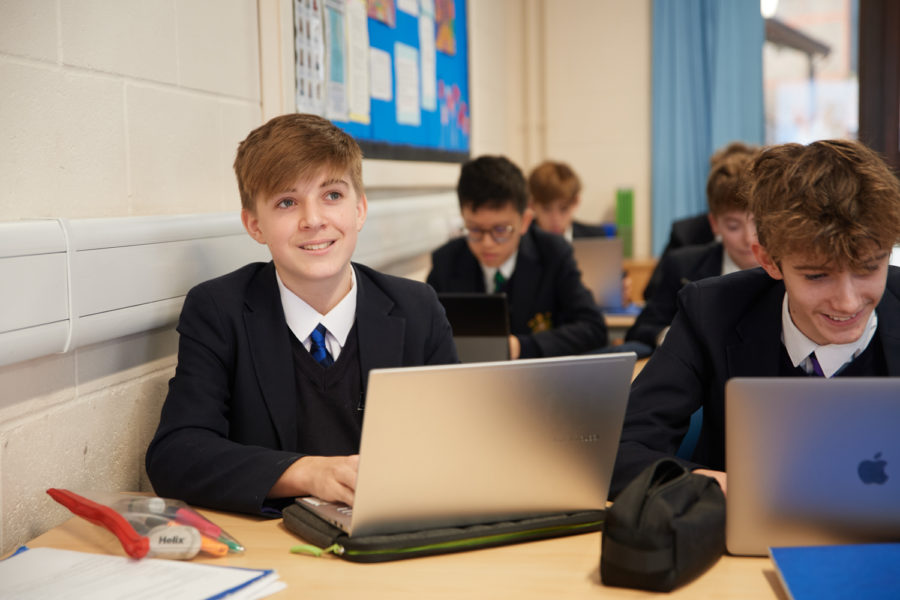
<point x="402" y="93"/>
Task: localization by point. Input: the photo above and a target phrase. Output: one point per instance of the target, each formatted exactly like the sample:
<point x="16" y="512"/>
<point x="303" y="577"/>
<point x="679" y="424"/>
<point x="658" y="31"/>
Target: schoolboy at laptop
<point x="824" y="302"/>
<point x="555" y="195"/>
<point x="551" y="313"/>
<point x="730" y="219"/>
<point x="266" y="401"/>
<point x="696" y="230"/>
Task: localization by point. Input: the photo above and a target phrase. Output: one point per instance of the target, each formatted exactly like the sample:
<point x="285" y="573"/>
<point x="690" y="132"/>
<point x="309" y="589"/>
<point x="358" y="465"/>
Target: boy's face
<point x="506" y="224"/>
<point x="555" y="216"/>
<point x="829" y="304"/>
<point x="738" y="232"/>
<point x="311" y="230"/>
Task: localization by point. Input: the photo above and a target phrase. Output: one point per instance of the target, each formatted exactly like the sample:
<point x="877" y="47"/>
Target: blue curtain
<point x="707" y="92"/>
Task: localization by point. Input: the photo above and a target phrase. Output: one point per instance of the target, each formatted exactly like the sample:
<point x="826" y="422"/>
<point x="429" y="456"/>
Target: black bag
<point x="325" y="537"/>
<point x="665" y="528"/>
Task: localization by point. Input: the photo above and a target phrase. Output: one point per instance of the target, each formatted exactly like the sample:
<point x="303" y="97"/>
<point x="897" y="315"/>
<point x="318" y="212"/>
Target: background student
<point x="824" y="302"/>
<point x="266" y="401"/>
<point x="697" y="230"/>
<point x="731" y="221"/>
<point x="551" y="312"/>
<point x="555" y="194"/>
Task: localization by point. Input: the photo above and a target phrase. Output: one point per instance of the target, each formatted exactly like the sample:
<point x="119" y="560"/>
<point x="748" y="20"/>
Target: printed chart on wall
<point x="392" y="73"/>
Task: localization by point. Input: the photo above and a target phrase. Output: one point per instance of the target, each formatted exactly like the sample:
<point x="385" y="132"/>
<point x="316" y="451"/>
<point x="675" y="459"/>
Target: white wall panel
<point x="67" y="284"/>
<point x="401" y="228"/>
<point x="124" y="276"/>
<point x="42" y="297"/>
<point x="34" y="290"/>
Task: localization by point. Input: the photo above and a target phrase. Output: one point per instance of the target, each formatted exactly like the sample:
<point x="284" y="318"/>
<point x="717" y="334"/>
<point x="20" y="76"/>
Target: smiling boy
<point x="825" y="302"/>
<point x="551" y="313"/>
<point x="267" y="398"/>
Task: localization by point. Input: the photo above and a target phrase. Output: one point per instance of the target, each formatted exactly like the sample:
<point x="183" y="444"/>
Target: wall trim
<point x="70" y="283"/>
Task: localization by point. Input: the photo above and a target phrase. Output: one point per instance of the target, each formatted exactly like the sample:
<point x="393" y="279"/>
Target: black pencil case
<point x="326" y="538"/>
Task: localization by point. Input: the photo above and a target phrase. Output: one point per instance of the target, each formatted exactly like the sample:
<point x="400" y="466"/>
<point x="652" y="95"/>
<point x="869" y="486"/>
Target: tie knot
<point x="317" y="346"/>
<point x="318" y="334"/>
<point x="499" y="281"/>
<point x="817" y="368"/>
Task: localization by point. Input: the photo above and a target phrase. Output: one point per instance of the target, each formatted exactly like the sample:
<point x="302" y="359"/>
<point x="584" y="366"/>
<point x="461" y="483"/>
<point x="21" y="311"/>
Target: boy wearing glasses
<point x="825" y="302"/>
<point x="551" y="312"/>
<point x="267" y="399"/>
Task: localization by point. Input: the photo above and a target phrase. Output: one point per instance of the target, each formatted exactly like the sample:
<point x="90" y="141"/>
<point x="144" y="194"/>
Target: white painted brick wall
<point x="109" y="108"/>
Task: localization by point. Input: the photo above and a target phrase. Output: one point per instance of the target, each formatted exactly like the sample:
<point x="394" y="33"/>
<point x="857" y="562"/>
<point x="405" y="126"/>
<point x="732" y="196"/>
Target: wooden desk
<point x="638" y="366"/>
<point x="618" y="325"/>
<point x="558" y="568"/>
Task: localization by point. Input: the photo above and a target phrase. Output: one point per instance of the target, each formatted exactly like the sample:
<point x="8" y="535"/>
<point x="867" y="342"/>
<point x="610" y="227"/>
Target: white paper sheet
<point x="406" y="73"/>
<point x="41" y="573"/>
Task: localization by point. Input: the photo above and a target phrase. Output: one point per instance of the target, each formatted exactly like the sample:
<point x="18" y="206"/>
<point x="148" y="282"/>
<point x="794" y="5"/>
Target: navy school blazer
<point x="228" y="428"/>
<point x="728" y="326"/>
<point x="679" y="267"/>
<point x="550" y="310"/>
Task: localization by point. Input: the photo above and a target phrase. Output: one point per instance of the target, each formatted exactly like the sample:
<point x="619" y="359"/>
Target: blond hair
<point x="291" y="147"/>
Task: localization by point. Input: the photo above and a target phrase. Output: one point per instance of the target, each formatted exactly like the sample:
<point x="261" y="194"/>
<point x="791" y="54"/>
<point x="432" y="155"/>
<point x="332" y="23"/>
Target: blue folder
<point x="864" y="571"/>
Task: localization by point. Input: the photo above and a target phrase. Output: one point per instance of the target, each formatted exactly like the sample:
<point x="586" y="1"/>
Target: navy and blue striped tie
<point x="317" y="346"/>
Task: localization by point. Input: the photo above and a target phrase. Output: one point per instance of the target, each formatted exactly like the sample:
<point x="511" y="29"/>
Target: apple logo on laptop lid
<point x="872" y="471"/>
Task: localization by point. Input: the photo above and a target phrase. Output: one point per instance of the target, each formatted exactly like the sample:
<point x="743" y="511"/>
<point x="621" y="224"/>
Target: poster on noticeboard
<point x="392" y="73"/>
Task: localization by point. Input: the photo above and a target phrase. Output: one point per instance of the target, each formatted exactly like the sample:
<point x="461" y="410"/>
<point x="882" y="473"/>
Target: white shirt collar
<point x="506" y="269"/>
<point x="569" y="233"/>
<point x="831" y="357"/>
<point x="728" y="265"/>
<point x="302" y="318"/>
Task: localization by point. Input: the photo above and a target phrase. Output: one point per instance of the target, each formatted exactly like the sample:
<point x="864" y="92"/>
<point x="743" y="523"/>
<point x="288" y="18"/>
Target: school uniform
<point x="726" y="327"/>
<point x="690" y="231"/>
<point x="238" y="409"/>
<point x="550" y="310"/>
<point x="681" y="266"/>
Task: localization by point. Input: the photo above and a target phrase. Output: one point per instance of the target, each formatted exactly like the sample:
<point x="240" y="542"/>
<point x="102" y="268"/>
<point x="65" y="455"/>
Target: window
<point x="810" y="70"/>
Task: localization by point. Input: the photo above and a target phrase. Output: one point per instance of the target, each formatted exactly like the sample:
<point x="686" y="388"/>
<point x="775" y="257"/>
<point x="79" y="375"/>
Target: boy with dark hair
<point x="825" y="302"/>
<point x="551" y="312"/>
<point x="730" y="218"/>
<point x="267" y="398"/>
<point x="555" y="195"/>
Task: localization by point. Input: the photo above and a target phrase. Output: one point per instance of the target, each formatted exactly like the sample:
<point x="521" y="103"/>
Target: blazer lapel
<point x="710" y="266"/>
<point x="270" y="349"/>
<point x="467" y="274"/>
<point x="757" y="351"/>
<point x="380" y="334"/>
<point x="524" y="282"/>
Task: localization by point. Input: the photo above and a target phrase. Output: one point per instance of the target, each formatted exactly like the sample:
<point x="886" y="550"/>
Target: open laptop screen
<point x="459" y="444"/>
<point x="600" y="263"/>
<point x="480" y="324"/>
<point x="811" y="461"/>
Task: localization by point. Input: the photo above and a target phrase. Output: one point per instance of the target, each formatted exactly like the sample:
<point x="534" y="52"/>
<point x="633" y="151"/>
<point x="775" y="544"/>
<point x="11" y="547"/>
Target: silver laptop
<point x="480" y="324"/>
<point x="812" y="461"/>
<point x="472" y="443"/>
<point x="600" y="263"/>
